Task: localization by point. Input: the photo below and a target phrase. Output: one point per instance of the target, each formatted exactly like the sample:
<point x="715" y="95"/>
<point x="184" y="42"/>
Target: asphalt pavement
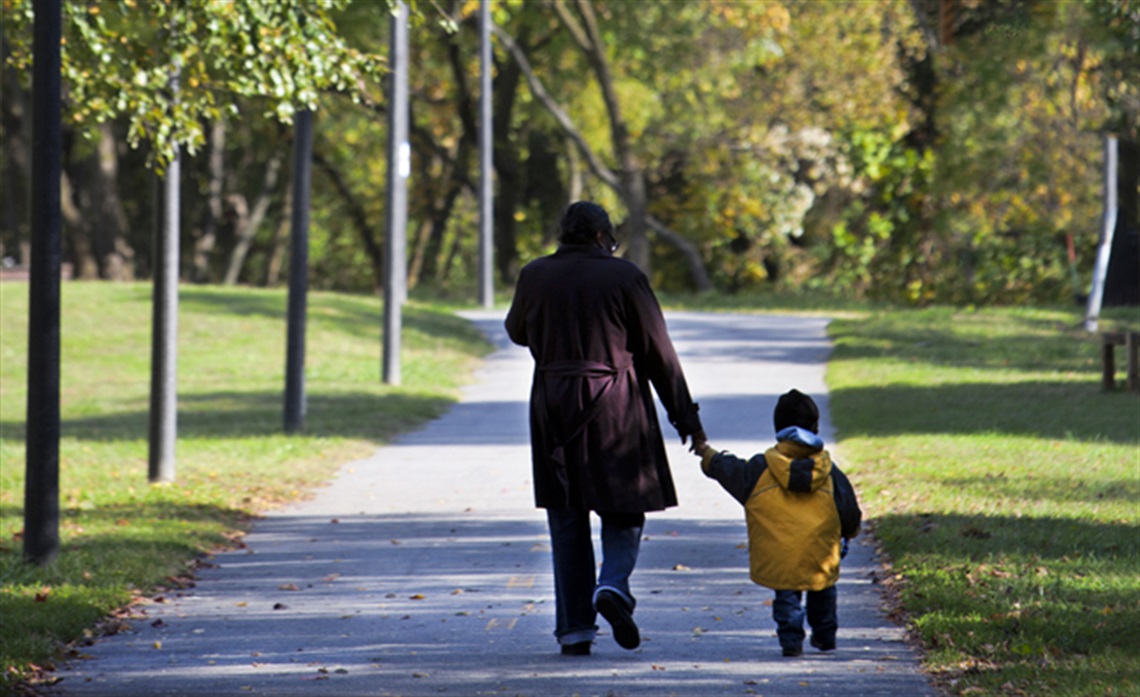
<point x="425" y="569"/>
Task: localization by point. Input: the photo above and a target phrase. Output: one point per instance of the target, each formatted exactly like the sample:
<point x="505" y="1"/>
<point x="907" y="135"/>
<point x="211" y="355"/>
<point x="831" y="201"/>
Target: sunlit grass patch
<point x="1005" y="487"/>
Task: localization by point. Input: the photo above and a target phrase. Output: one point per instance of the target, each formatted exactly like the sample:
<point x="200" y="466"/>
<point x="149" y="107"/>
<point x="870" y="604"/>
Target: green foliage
<point x="1001" y="482"/>
<point x="122" y="537"/>
<point x="122" y="59"/>
<point x="826" y="145"/>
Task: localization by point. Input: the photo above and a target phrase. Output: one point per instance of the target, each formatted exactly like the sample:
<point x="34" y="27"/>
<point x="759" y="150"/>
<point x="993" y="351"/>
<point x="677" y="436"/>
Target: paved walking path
<point x="425" y="569"/>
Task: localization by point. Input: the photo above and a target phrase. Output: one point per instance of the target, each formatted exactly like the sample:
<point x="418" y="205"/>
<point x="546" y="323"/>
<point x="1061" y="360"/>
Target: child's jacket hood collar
<point x="798" y="462"/>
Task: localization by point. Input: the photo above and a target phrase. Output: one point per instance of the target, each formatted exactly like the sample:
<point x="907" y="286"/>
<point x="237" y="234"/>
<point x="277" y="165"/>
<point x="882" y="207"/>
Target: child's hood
<point x="798" y="461"/>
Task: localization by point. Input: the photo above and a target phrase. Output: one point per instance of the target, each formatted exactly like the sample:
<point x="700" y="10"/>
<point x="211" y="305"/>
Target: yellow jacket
<point x="798" y="509"/>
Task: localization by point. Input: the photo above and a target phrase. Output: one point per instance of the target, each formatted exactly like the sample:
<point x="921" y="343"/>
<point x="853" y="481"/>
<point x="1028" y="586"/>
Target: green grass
<point x="1005" y="487"/>
<point x="800" y="302"/>
<point x="121" y="536"/>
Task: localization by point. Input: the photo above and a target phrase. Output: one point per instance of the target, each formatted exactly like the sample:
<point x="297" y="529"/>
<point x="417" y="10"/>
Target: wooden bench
<point x="1108" y="343"/>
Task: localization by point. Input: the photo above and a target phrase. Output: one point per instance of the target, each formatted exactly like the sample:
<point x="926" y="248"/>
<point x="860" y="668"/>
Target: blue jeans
<point x="574" y="582"/>
<point x="789" y="615"/>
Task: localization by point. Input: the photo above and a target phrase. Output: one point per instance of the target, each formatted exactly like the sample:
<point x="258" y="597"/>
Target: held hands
<point x="700" y="442"/>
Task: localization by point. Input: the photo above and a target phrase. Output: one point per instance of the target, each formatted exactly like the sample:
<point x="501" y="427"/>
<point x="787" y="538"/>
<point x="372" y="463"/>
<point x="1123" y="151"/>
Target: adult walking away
<point x="598" y="338"/>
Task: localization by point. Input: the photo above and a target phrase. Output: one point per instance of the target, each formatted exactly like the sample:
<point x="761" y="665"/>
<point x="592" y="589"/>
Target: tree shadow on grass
<point x="356" y="316"/>
<point x="1053" y="410"/>
<point x="1077" y="488"/>
<point x="1031" y="345"/>
<point x="1036" y="584"/>
<point x="246" y="414"/>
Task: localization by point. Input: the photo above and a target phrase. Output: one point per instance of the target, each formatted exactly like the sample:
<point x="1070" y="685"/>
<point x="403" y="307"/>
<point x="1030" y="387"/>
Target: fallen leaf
<point x="417" y="596"/>
<point x="657" y="667"/>
<point x="280" y="606"/>
<point x="334" y="521"/>
<point x="341" y="671"/>
<point x="158" y="644"/>
<point x="419" y="675"/>
<point x="681" y="567"/>
<point x="288" y="587"/>
<point x="158" y="624"/>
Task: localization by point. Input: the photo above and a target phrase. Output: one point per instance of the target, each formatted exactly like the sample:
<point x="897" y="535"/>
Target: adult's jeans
<point x="575" y="584"/>
<point x="788" y="612"/>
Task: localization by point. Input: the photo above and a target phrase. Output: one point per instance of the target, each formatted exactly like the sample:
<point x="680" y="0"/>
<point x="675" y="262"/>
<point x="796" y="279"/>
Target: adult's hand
<point x="700" y="440"/>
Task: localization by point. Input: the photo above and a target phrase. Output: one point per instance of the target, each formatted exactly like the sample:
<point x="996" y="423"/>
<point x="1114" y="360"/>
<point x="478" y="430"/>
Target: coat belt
<point x="584" y="369"/>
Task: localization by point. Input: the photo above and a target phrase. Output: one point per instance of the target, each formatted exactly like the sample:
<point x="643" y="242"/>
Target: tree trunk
<point x="434" y="262"/>
<point x="204" y="246"/>
<point x="279" y="242"/>
<point x="358" y="215"/>
<point x="575" y="172"/>
<point x="15" y="113"/>
<point x="77" y="229"/>
<point x="512" y="178"/>
<point x="113" y="253"/>
<point x="416" y="263"/>
<point x="589" y="39"/>
<point x="597" y="167"/>
<point x="248" y="229"/>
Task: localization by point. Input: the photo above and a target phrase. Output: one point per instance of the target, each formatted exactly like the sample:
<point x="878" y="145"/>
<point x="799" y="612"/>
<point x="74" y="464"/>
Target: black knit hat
<point x="796" y="409"/>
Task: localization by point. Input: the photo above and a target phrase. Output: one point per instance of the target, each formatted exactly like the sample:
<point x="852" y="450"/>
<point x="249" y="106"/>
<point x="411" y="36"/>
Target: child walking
<point x="801" y="511"/>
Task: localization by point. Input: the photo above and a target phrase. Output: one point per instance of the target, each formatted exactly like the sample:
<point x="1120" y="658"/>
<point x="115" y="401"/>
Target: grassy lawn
<point x="1005" y="487"/>
<point x="121" y="536"/>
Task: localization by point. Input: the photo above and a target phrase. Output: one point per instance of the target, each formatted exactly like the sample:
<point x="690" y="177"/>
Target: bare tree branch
<point x="923" y="20"/>
<point x="688" y="250"/>
<point x="248" y="230"/>
<point x="576" y="30"/>
<point x="600" y="170"/>
<point x="595" y="53"/>
<point x="356" y="212"/>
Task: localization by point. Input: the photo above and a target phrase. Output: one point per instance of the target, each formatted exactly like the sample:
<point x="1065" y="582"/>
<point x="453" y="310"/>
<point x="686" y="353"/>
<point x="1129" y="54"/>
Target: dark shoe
<point x="618" y="614"/>
<point x="793" y="651"/>
<point x="582" y="648"/>
<point x="823" y="645"/>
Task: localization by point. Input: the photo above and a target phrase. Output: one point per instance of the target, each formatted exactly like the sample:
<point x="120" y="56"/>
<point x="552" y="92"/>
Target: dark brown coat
<point x="599" y="340"/>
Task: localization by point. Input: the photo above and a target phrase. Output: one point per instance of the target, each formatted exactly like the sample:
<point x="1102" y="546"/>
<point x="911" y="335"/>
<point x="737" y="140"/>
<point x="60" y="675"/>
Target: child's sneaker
<point x="793" y="651"/>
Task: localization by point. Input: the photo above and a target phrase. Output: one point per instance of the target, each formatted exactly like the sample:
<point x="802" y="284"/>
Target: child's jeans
<point x="789" y="615"/>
